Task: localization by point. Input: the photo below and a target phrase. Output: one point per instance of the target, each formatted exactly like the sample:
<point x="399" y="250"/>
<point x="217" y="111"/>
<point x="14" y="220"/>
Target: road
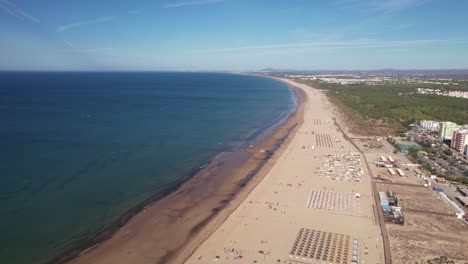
<point x="403" y="184"/>
<point x="386" y="242"/>
<point x="428" y="212"/>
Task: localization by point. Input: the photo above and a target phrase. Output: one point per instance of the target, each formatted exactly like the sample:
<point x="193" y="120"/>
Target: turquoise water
<point x="80" y="149"/>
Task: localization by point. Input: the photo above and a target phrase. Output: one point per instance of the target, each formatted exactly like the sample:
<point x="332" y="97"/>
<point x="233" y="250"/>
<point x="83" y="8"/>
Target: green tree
<point x="448" y="152"/>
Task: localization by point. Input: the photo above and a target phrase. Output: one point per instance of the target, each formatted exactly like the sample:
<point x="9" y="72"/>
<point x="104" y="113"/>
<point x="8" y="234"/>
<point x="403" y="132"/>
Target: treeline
<point x="396" y="104"/>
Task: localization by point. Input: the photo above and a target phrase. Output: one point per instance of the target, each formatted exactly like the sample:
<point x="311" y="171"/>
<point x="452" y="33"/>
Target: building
<point x="440" y="180"/>
<point x="385" y="164"/>
<point x="463" y="191"/>
<point x="463" y="201"/>
<point x="392" y="198"/>
<point x="384" y="200"/>
<point x="459" y="140"/>
<point x="402" y="174"/>
<point x="429" y="124"/>
<point x="393" y="215"/>
<point x="446" y="130"/>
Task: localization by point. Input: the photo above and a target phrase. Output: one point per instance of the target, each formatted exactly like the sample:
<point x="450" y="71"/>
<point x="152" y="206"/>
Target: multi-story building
<point x="429" y="124"/>
<point x="446" y="130"/>
<point x="460" y="140"/>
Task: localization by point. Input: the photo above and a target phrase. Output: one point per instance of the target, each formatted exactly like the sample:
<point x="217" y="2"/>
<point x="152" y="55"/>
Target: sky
<point x="232" y="35"/>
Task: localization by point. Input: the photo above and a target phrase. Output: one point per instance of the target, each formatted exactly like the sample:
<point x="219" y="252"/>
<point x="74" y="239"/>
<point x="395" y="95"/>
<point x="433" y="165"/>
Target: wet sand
<point x="169" y="230"/>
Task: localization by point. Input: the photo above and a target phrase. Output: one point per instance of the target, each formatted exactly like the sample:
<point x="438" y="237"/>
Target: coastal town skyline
<point x="233" y="35"/>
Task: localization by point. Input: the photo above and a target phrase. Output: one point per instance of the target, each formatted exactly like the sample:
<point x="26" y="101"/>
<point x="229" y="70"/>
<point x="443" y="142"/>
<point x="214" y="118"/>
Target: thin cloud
<point x="346" y="44"/>
<point x="17" y="12"/>
<point x="386" y="6"/>
<point x="192" y="3"/>
<point x="72" y="48"/>
<point x="85" y="23"/>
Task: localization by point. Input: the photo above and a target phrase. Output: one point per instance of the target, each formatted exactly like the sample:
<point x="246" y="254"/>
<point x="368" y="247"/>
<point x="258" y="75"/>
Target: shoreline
<point x="295" y="119"/>
<point x="299" y="193"/>
<point x="237" y="169"/>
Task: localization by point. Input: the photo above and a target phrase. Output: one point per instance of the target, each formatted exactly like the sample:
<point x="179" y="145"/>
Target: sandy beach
<point x="305" y="209"/>
<point x="169" y="230"/>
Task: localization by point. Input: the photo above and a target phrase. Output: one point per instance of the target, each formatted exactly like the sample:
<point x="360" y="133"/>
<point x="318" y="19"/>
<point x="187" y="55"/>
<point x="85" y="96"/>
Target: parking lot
<point x="450" y="190"/>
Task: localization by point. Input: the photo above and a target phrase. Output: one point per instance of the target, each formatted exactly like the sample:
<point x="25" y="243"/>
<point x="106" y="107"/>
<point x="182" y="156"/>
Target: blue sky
<point x="233" y="34"/>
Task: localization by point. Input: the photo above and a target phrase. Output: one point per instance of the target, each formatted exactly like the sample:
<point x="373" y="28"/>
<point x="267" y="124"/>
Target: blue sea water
<point x="77" y="150"/>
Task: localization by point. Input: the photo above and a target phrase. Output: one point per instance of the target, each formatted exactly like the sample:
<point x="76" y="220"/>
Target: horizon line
<point x="235" y="71"/>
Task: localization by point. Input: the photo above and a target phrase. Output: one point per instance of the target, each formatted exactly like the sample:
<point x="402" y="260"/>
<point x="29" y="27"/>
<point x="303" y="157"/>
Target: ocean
<point x="79" y="149"/>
